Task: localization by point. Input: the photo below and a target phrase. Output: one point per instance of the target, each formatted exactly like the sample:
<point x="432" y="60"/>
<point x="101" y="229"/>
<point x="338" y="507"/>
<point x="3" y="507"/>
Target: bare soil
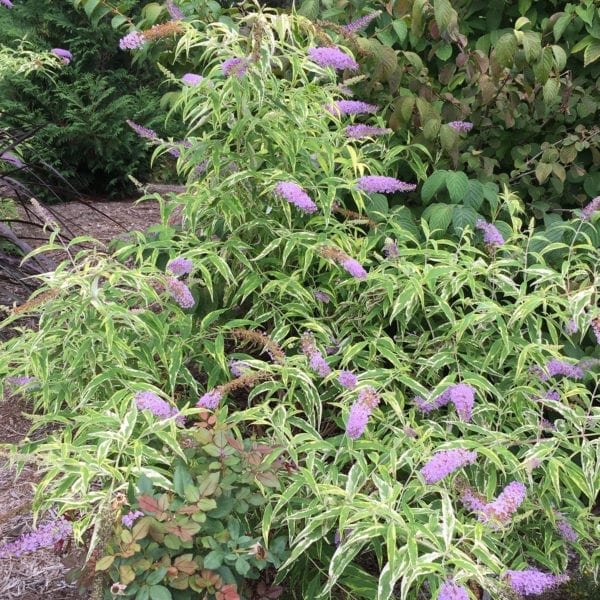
<point x="41" y="575"/>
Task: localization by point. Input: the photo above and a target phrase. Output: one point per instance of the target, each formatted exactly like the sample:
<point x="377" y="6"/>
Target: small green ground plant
<point x="417" y="406"/>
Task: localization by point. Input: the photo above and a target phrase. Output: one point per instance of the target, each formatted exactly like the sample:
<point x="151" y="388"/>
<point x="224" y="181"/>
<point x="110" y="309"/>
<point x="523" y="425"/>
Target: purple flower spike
<point x="210" y="399"/>
<point x="490" y="234"/>
<point x="293" y="193"/>
<point x="360" y="411"/>
<point x="445" y="462"/>
<point x="6" y="3"/>
<point x="348" y="379"/>
<point x="130" y="517"/>
<point x="318" y="364"/>
<point x="356" y="132"/>
<point x="350" y="107"/>
<point x="157" y="406"/>
<point x="354" y="268"/>
<point x="180" y="266"/>
<point x="590" y="209"/>
<point x="450" y="591"/>
<point x="143" y="132"/>
<point x="174" y="11"/>
<point x="44" y="537"/>
<point x="361" y="23"/>
<point x="65" y="55"/>
<point x="376" y="183"/>
<point x="180" y="292"/>
<point x="461" y="126"/>
<point x="463" y="398"/>
<point x="132" y="41"/>
<point x="322" y="297"/>
<point x="191" y="79"/>
<point x="332" y="57"/>
<point x="234" y="67"/>
<point x="565" y="530"/>
<point x="570" y="327"/>
<point x="11" y="159"/>
<point x="532" y="581"/>
<point x="506" y="504"/>
<point x="560" y="367"/>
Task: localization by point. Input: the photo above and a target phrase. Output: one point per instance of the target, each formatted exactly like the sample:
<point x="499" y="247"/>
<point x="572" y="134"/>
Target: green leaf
<point x="448" y="138"/>
<point x="242" y="566"/>
<point x="457" y="184"/>
<point x="506" y="49"/>
<point x="443" y="12"/>
<point x="433" y="184"/>
<point x="214" y="559"/>
<point x="209" y="484"/>
<point x="105" y="563"/>
<point x="592" y="53"/>
<point x="561" y="24"/>
<point x="181" y="480"/>
<point x="401" y="29"/>
<point x="309" y="9"/>
<point x="439" y="216"/>
<point x="462" y="217"/>
<point x="156" y="576"/>
<point x="474" y="196"/>
<point x="159" y="592"/>
<point x="550" y="90"/>
<point x="532" y="44"/>
<point x="542" y="172"/>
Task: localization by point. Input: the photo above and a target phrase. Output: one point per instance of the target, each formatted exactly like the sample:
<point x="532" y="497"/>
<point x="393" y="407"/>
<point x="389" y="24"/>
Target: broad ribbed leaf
<point x="506" y="49"/>
<point x="458" y="184"/>
<point x="443" y="13"/>
<point x="432" y="185"/>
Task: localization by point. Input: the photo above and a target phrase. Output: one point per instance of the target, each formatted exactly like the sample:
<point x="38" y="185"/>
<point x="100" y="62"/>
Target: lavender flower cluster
<point x="533" y="581"/>
<point x="460" y="394"/>
<point x="316" y="360"/>
<point x="360" y="411"/>
<point x="180" y="266"/>
<point x="361" y="23"/>
<point x="332" y="57"/>
<point x="294" y="194"/>
<point x="348" y="379"/>
<point x="356" y="132"/>
<point x="234" y="67"/>
<point x="461" y="126"/>
<point x="491" y="235"/>
<point x="500" y="511"/>
<point x="386" y="185"/>
<point x="175" y="12"/>
<point x="450" y="591"/>
<point x="590" y="209"/>
<point x="6" y="3"/>
<point x="446" y="462"/>
<point x="191" y="79"/>
<point x="350" y="107"/>
<point x="44" y="537"/>
<point x="130" y="517"/>
<point x="63" y="54"/>
<point x="210" y="399"/>
<point x="180" y="292"/>
<point x="560" y="367"/>
<point x="132" y="41"/>
<point x="157" y="406"/>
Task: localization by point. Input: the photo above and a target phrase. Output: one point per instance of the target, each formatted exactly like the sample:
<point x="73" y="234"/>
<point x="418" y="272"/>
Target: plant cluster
<point x="417" y="405"/>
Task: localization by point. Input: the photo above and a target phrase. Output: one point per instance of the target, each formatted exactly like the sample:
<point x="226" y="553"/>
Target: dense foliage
<point x="84" y="108"/>
<point x="357" y="358"/>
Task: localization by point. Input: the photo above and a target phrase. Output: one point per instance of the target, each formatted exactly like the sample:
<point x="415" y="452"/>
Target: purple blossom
<point x="565" y="530"/>
<point x="595" y="325"/>
<point x="532" y="581"/>
<point x="132" y="41"/>
<point x="552" y="395"/>
<point x="157" y="406"/>
<point x="390" y="248"/>
<point x="348" y="379"/>
<point x="472" y="501"/>
<point x="192" y="79"/>
<point x="293" y="193"/>
<point x="507" y="503"/>
<point x="559" y="367"/>
<point x="63" y="54"/>
<point x="332" y="57"/>
<point x="461" y="126"/>
<point x="491" y="235"/>
<point x="180" y="292"/>
<point x="460" y="394"/>
<point x="130" y="517"/>
<point x="180" y="266"/>
<point x="174" y="11"/>
<point x="143" y="132"/>
<point x="350" y="107"/>
<point x="234" y="66"/>
<point x="377" y="183"/>
<point x="6" y="3"/>
<point x="570" y="327"/>
<point x="360" y="411"/>
<point x="322" y="297"/>
<point x="9" y="157"/>
<point x="361" y="23"/>
<point x="211" y="399"/>
<point x="21" y="380"/>
<point x="591" y="208"/>
<point x="354" y="268"/>
<point x="318" y="364"/>
<point x="450" y="591"/>
<point x="445" y="462"/>
<point x="44" y="537"/>
<point x="356" y="132"/>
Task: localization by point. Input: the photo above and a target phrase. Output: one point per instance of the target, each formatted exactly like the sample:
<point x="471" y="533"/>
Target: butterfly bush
<point x="180" y="266"/>
<point x="361" y="22"/>
<point x="157" y="406"/>
<point x="130" y="517"/>
<point x="357" y="132"/>
<point x="348" y="379"/>
<point x="44" y="537"/>
<point x="63" y="54"/>
<point x="378" y="183"/>
<point x="180" y="292"/>
<point x="361" y="410"/>
<point x="350" y="107"/>
<point x="461" y="395"/>
<point x="294" y="194"/>
<point x="533" y="581"/>
<point x="589" y="210"/>
<point x="192" y="79"/>
<point x="461" y="126"/>
<point x="451" y="591"/>
<point x="132" y="41"/>
<point x="446" y="462"/>
<point x="332" y="57"/>
<point x="491" y="235"/>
